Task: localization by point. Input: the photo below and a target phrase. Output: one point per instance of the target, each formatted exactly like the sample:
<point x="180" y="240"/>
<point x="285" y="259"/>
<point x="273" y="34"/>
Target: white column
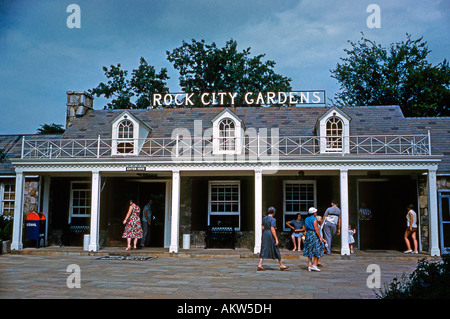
<point x="95" y="212"/>
<point x="174" y="232"/>
<point x="344" y="212"/>
<point x="433" y="213"/>
<point x="258" y="211"/>
<point x="46" y="202"/>
<point x="18" y="212"/>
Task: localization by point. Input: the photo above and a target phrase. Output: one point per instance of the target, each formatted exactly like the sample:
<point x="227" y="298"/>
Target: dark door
<point x="387" y="199"/>
<point x="156" y="191"/>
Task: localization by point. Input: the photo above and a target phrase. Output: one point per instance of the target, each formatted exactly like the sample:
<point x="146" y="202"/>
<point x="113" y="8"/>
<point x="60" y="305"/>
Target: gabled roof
<point x="127" y="112"/>
<point x="226" y="111"/>
<point x="291" y="121"/>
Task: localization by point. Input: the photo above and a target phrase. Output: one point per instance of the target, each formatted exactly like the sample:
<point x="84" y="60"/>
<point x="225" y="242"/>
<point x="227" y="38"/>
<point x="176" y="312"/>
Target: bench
<point x="223" y="235"/>
<point x="73" y="235"/>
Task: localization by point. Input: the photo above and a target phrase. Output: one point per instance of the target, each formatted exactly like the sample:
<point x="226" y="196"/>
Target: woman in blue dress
<point x="269" y="240"/>
<point x="313" y="249"/>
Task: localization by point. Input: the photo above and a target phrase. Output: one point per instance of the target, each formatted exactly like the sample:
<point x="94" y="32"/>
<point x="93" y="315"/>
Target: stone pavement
<point x="229" y="275"/>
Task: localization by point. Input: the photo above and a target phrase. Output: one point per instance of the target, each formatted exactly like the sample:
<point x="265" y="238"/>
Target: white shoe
<point x="415" y="252"/>
<point x="408" y="251"/>
<point x="313" y="268"/>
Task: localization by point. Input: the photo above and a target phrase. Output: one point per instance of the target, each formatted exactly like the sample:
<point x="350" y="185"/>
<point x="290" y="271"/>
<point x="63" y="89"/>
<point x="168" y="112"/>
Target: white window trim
<point x="341" y="136"/>
<point x="225" y="182"/>
<point x="71" y="215"/>
<point x="140" y="132"/>
<point x="238" y="133"/>
<point x="304" y="213"/>
<point x="115" y="135"/>
<point x="2" y="196"/>
<point x="334" y="112"/>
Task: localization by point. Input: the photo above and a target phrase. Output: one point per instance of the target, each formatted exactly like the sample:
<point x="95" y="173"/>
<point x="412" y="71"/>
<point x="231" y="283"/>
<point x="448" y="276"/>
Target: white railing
<point x="252" y="147"/>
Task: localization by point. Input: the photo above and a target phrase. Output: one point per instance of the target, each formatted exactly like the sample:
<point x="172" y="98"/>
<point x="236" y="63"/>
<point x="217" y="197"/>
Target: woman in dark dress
<point x="269" y="240"/>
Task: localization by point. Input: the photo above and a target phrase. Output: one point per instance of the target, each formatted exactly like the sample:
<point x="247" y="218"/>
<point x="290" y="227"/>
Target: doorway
<point x="444" y="221"/>
<point x="140" y="191"/>
<point x="387" y="199"/>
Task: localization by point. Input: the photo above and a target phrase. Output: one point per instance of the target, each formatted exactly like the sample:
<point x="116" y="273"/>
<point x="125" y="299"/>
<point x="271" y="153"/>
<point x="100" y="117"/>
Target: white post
<point x="174" y="232"/>
<point x="18" y="212"/>
<point x="46" y="203"/>
<point x="433" y="213"/>
<point x="344" y="212"/>
<point x="95" y="212"/>
<point x="258" y="211"/>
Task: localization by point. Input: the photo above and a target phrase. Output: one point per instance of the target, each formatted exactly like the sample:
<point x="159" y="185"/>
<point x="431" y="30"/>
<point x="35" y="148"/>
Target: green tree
<point x="399" y="75"/>
<point x="143" y="83"/>
<point x="50" y="129"/>
<point x="207" y="68"/>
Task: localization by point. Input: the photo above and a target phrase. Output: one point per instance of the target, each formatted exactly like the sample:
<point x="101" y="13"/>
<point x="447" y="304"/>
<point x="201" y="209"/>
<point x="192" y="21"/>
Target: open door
<point x="387" y="199"/>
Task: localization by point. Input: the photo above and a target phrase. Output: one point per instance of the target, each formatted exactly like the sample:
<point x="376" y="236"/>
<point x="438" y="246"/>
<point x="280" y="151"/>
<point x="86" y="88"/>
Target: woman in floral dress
<point x="133" y="228"/>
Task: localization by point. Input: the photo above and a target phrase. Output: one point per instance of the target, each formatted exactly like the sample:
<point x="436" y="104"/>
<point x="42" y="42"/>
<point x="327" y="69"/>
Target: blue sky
<point x="41" y="58"/>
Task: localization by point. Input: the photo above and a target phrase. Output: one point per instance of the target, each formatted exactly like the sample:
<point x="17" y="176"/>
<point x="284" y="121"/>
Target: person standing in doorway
<point x="366" y="225"/>
<point x="332" y="224"/>
<point x="146" y="223"/>
<point x="133" y="228"/>
<point x="411" y="230"/>
<point x="269" y="240"/>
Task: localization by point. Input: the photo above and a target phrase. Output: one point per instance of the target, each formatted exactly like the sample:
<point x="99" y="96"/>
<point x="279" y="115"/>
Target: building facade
<point x="224" y="166"/>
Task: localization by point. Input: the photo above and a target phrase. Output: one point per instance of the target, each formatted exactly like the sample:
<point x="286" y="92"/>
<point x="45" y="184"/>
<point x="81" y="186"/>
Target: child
<point x="351" y="240"/>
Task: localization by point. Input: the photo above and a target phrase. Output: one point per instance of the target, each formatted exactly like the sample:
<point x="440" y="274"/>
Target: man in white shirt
<point x="332" y="224"/>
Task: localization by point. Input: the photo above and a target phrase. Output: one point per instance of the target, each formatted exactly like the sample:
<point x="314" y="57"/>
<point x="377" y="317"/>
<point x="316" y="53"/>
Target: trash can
<point x="186" y="241"/>
<point x="87" y="239"/>
<point x="35" y="227"/>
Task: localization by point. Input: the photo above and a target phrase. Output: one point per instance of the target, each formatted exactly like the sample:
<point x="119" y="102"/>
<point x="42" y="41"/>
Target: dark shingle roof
<point x="291" y="121"/>
<point x="12" y="147"/>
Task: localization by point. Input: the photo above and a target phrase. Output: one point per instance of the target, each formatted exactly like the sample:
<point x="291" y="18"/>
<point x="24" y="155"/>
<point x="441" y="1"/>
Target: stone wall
<point x="443" y="183"/>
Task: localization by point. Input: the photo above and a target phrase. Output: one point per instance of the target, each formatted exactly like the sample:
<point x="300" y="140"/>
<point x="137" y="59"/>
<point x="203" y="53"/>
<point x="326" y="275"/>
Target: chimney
<point x="78" y="103"/>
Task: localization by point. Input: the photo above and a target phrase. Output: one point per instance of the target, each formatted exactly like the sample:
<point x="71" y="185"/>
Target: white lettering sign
<point x="230" y="98"/>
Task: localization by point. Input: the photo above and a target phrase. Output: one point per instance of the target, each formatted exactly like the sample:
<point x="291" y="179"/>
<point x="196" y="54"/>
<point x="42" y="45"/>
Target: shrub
<point x="430" y="280"/>
<point x="6" y="223"/>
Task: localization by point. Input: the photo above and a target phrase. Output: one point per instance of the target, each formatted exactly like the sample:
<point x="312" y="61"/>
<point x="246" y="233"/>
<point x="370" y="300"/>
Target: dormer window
<point x="128" y="134"/>
<point x="334" y="129"/>
<point x="125" y="138"/>
<point x="227" y="133"/>
<point x="334" y="134"/>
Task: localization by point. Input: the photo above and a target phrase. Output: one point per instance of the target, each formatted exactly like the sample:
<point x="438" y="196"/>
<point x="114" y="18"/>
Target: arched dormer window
<point x="334" y="134"/>
<point x="128" y="134"/>
<point x="333" y="127"/>
<point x="125" y="137"/>
<point x="227" y="135"/>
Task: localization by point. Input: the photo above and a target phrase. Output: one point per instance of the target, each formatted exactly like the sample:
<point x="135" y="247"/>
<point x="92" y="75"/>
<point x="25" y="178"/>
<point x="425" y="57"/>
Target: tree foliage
<point x="207" y="68"/>
<point x="143" y="83"/>
<point x="399" y="75"/>
<point x="50" y="129"/>
<point x="202" y="68"/>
